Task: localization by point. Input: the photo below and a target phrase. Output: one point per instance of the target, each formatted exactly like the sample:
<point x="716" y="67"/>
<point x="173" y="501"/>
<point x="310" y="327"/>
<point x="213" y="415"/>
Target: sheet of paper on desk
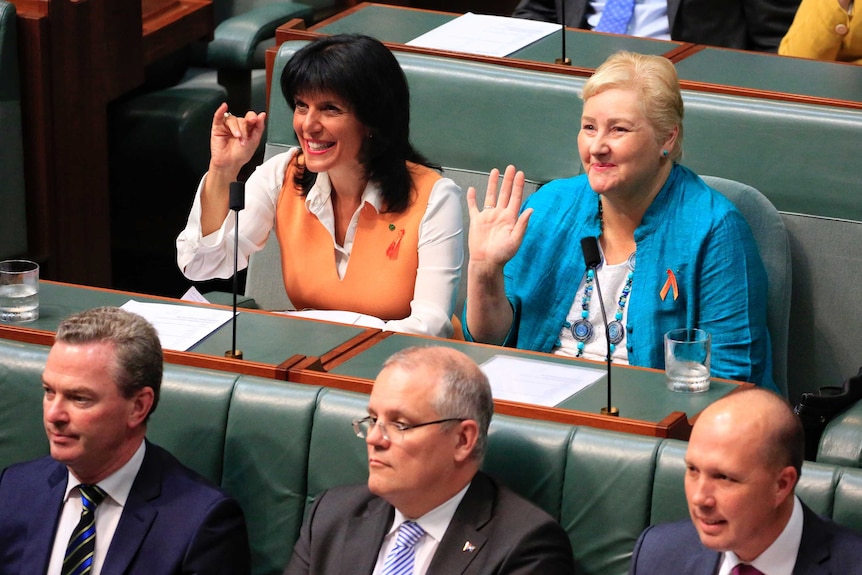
<point x="348" y="317"/>
<point x="535" y="381"/>
<point x="485" y="35"/>
<point x="179" y="326"/>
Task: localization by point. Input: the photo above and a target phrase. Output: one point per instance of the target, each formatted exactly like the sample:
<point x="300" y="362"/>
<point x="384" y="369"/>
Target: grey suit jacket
<point x="174" y="521"/>
<point x="743" y="24"/>
<point x="344" y="530"/>
<point x="826" y="548"/>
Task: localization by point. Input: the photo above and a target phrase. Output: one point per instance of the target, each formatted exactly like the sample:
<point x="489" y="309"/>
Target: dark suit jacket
<point x="826" y="548"/>
<point x="743" y="24"/>
<point x="345" y="527"/>
<point x="174" y="521"/>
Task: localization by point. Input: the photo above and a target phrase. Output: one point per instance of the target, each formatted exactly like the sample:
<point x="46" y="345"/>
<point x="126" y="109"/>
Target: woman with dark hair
<point x="364" y="222"/>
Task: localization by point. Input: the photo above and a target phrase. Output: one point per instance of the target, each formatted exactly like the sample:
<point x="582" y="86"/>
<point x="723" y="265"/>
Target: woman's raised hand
<point x="234" y="139"/>
<point x="496" y="231"/>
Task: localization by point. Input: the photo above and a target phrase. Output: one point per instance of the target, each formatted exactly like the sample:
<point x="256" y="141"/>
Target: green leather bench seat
<point x="276" y="445"/>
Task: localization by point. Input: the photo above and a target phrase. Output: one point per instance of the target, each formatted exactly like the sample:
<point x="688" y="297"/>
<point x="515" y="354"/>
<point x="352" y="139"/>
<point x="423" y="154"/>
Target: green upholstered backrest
<point x="841" y="442"/>
<point x="472" y="116"/>
<point x="529" y="457"/>
<point x="771" y="237"/>
<point x="336" y="455"/>
<point x="266" y="458"/>
<point x="13" y="232"/>
<point x="22" y="435"/>
<point x="606" y="496"/>
<point x="191" y="417"/>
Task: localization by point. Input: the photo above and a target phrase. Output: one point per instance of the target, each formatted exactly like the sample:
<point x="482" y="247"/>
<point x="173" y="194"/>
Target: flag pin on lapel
<point x="469" y="547"/>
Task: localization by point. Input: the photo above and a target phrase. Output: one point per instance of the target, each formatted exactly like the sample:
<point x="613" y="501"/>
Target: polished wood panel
<point x="76" y="57"/>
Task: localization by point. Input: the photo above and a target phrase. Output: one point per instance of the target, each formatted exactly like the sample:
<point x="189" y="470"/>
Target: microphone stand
<point x="236" y="203"/>
<point x="609" y="410"/>
<point x="563" y="60"/>
<point x="592" y="258"/>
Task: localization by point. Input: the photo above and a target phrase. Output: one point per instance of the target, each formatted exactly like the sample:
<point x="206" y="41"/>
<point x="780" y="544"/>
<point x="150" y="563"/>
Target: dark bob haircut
<point x="363" y="72"/>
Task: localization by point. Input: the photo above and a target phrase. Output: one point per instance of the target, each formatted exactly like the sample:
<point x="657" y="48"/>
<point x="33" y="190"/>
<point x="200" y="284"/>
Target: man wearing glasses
<point x="427" y="509"/>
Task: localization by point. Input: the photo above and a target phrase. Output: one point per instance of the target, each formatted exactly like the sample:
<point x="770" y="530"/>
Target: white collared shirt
<point x="649" y="20"/>
<point x="108" y="513"/>
<point x="319" y="202"/>
<point x="780" y="557"/>
<point x="435" y="523"/>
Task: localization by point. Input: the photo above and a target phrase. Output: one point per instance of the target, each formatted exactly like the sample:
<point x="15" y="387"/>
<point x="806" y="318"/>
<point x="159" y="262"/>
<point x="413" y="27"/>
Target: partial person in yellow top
<point x="825" y="30"/>
<point x="364" y="222"/>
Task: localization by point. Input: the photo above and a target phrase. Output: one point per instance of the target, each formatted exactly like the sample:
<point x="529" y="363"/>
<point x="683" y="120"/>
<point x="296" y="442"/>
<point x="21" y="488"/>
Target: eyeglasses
<point x="362" y="427"/>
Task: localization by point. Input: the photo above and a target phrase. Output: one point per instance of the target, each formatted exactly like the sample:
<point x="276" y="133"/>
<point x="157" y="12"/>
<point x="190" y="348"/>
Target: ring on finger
<point x="486" y="206"/>
<point x="227" y="115"/>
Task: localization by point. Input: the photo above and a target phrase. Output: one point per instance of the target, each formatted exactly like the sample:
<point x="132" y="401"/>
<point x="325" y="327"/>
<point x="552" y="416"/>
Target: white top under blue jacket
<point x="689" y="229"/>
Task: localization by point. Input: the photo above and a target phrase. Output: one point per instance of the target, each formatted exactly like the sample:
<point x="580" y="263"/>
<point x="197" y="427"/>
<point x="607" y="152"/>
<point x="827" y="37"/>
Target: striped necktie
<point x="616" y="16"/>
<point x="82" y="544"/>
<point x="400" y="558"/>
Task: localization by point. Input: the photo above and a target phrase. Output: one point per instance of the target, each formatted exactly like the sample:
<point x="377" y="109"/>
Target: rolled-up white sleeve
<point x="441" y="256"/>
<point x="207" y="257"/>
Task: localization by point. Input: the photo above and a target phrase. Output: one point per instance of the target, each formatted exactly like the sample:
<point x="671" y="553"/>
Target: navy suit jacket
<point x="174" y="521"/>
<point x="742" y="24"/>
<point x="345" y="527"/>
<point x="826" y="548"/>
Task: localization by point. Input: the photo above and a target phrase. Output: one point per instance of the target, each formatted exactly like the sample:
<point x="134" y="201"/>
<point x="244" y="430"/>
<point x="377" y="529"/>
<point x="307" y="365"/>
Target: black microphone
<point x="592" y="258"/>
<point x="563" y="59"/>
<point x="235" y="204"/>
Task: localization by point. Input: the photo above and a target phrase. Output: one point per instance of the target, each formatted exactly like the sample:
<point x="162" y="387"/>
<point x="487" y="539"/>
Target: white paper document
<point x="535" y="381"/>
<point x="485" y="35"/>
<point x="179" y="326"/>
<point x="348" y="317"/>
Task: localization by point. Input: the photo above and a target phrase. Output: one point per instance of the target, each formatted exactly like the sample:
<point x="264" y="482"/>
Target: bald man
<point x="427" y="509"/>
<point x="743" y="462"/>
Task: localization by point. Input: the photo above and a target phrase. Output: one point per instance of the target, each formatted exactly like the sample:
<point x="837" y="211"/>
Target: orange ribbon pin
<point x="670" y="283"/>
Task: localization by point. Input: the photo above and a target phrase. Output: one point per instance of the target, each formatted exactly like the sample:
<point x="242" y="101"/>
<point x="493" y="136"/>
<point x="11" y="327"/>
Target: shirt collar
<point x="435" y="522"/>
<point x="318" y="195"/>
<point x="780" y="557"/>
<point x="118" y="484"/>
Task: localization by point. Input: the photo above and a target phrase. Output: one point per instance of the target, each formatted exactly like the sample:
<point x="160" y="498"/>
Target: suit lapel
<point x="40" y="533"/>
<point x="138" y="514"/>
<point x="813" y="556"/>
<point x="364" y="535"/>
<point x="463" y="541"/>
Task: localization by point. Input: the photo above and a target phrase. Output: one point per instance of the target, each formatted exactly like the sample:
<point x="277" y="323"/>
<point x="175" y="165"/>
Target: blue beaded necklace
<point x="582" y="330"/>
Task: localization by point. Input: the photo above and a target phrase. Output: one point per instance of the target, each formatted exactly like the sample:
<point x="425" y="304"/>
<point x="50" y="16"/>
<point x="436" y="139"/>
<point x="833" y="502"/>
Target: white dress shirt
<point x="780" y="557"/>
<point x="434" y="523"/>
<point x="441" y="247"/>
<point x="117" y="487"/>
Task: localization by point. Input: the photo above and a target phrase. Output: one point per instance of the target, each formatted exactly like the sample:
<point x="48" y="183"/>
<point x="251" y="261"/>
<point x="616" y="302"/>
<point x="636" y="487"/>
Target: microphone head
<point x="237" y="196"/>
<point x="592" y="255"/>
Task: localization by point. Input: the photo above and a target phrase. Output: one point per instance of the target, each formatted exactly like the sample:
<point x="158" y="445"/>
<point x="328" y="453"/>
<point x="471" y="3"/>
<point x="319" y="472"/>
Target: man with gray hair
<point x="427" y="509"/>
<point x="107" y="500"/>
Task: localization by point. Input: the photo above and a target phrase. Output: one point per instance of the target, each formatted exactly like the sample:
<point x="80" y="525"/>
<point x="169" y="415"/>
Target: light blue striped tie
<point x="82" y="544"/>
<point x="400" y="558"/>
<point x="616" y="16"/>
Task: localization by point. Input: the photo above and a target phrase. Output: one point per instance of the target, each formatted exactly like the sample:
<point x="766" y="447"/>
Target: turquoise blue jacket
<point x="689" y="229"/>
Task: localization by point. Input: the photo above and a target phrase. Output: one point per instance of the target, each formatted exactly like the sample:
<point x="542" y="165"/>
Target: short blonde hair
<point x="654" y="79"/>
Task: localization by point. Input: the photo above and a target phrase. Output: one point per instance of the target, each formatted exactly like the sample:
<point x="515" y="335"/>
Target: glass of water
<point x="19" y="291"/>
<point x="686" y="359"/>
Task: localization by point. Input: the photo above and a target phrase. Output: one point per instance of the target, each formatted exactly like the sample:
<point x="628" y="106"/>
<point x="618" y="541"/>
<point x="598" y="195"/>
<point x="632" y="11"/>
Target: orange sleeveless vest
<point x="381" y="274"/>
